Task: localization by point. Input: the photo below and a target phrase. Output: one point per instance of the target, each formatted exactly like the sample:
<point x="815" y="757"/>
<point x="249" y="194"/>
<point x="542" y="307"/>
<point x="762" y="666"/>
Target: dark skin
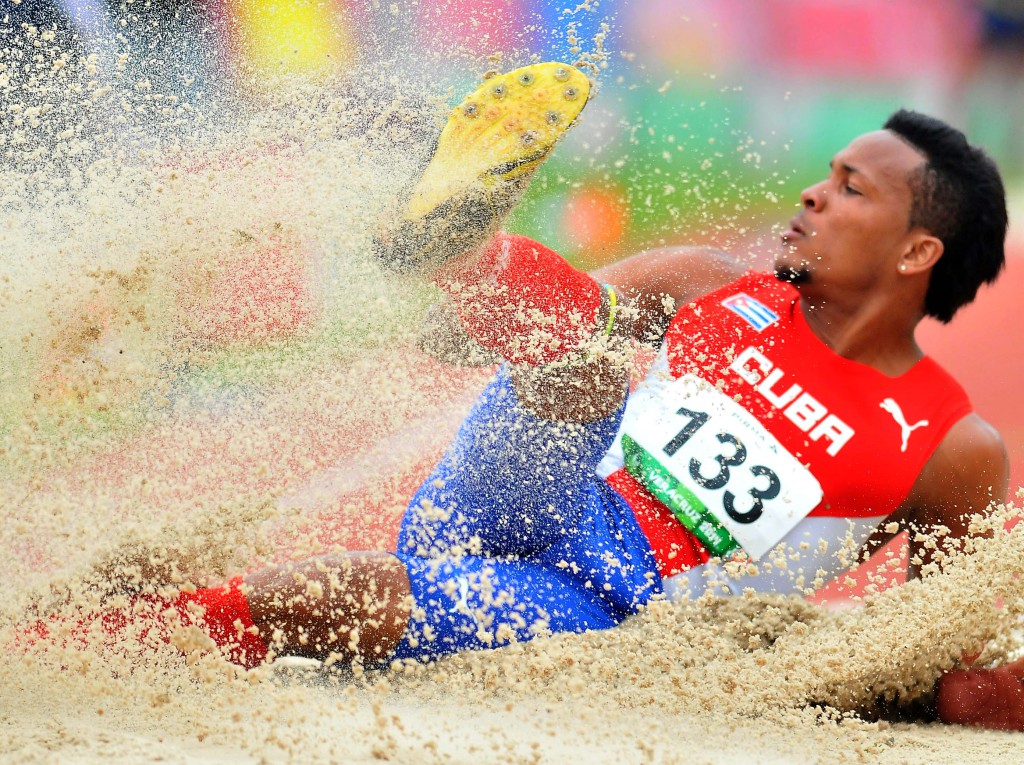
<point x="865" y="273"/>
<point x="340" y="606"/>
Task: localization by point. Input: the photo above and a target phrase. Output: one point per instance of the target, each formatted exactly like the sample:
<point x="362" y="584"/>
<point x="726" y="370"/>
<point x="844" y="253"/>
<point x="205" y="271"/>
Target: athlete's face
<point x="855" y="222"/>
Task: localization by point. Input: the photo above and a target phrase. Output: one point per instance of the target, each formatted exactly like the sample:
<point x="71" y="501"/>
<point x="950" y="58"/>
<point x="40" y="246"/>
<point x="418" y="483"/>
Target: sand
<point x="204" y="371"/>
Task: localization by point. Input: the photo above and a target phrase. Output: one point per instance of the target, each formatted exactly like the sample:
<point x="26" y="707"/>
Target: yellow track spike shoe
<point x="485" y="156"/>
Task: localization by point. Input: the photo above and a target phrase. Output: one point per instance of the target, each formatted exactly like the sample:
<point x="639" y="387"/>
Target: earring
<point x="903" y="266"/>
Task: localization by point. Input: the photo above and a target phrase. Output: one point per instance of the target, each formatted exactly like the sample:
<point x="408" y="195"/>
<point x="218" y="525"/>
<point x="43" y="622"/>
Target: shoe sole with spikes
<point x="482" y="164"/>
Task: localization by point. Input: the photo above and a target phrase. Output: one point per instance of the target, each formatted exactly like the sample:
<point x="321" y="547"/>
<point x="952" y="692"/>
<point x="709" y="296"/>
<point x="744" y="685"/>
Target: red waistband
<point x="675" y="548"/>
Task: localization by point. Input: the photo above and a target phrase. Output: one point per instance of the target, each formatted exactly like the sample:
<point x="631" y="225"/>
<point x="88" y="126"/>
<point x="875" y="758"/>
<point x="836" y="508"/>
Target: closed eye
<point x="843" y="172"/>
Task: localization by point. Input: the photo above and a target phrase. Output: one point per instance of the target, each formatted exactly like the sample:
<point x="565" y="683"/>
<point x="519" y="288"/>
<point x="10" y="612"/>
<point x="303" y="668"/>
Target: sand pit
<point x="202" y="371"/>
<point x="674" y="685"/>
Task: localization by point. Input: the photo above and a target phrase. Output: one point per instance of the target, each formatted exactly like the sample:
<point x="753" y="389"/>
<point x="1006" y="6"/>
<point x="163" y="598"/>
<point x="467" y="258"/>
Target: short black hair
<point x="958" y="196"/>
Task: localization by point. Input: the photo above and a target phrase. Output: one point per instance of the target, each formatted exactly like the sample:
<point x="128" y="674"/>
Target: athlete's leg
<point x="489" y="148"/>
<point x="538" y="317"/>
<point x="515" y="523"/>
<point x="472" y="602"/>
<point x="524" y="302"/>
<point x="345" y="606"/>
<point x="514" y="297"/>
<point x="515" y="507"/>
<point x="511" y="483"/>
<point x="513" y="535"/>
<point x="600" y="571"/>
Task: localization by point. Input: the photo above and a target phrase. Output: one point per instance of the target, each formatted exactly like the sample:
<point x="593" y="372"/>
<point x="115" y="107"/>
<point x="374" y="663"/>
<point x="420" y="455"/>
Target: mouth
<point x="795" y="231"/>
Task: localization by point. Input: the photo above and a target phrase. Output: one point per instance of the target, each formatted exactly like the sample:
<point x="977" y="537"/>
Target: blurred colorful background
<point x="727" y="94"/>
<point x="711" y="115"/>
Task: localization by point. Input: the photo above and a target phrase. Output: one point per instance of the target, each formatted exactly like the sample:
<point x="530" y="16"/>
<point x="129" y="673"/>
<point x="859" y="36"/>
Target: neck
<point x="876" y="332"/>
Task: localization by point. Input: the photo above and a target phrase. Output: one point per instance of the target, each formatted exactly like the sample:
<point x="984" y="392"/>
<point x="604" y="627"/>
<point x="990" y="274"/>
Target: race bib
<point x="725" y="477"/>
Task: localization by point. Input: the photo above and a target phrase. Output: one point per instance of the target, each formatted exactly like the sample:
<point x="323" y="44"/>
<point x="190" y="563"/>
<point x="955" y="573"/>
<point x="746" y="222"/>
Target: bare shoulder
<point x="972" y="447"/>
<point x="968" y="470"/>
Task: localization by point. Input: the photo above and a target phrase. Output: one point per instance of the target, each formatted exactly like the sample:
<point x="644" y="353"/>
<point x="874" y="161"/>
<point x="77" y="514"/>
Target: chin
<point x="798" y="274"/>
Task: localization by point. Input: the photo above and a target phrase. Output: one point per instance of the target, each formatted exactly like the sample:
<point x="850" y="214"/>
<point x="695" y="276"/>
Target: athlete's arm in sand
<point x="967" y="473"/>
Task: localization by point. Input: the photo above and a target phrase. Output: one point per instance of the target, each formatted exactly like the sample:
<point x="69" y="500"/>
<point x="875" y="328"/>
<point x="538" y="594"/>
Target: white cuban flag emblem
<point x="751" y="310"/>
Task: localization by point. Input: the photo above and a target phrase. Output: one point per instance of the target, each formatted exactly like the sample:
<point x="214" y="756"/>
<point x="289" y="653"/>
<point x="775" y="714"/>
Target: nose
<point x="813" y="197"/>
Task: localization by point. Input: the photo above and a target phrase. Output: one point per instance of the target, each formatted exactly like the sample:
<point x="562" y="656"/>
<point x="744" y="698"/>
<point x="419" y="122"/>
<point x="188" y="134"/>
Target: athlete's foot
<point x="486" y="154"/>
<point x="201" y="620"/>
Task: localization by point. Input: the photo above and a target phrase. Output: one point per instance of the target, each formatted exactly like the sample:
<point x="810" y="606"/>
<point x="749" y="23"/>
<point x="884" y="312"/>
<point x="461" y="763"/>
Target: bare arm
<point x="968" y="472"/>
<point x="655" y="281"/>
<point x="658" y="281"/>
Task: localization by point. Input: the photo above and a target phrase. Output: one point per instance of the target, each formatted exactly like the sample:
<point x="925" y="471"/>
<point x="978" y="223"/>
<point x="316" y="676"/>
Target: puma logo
<point x="462" y="605"/>
<point x="893" y="408"/>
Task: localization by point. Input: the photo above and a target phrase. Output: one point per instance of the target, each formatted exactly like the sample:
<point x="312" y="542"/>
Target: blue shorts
<point x="514" y="535"/>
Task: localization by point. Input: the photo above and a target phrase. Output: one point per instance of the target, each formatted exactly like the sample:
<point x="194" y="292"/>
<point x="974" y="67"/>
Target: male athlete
<point x="786" y="414"/>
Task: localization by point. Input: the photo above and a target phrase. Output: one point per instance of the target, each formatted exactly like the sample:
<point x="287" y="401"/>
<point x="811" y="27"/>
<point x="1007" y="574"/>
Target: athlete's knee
<point x="345" y="606"/>
<point x="589" y="392"/>
<point x="523" y="301"/>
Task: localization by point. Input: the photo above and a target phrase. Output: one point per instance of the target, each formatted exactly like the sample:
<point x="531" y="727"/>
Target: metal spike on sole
<point x="488" y="150"/>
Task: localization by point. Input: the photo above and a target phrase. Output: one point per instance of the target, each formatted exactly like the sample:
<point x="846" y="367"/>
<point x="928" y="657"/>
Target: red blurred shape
<point x="694" y="37"/>
<point x="594" y="221"/>
<point x="475" y="26"/>
<point x="867" y="38"/>
<point x="259" y="293"/>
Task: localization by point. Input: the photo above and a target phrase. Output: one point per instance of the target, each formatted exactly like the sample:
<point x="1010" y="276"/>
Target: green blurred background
<point x="711" y="115"/>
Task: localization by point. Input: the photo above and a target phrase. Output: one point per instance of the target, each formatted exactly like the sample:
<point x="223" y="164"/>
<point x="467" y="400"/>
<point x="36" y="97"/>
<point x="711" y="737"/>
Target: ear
<point x="921" y="254"/>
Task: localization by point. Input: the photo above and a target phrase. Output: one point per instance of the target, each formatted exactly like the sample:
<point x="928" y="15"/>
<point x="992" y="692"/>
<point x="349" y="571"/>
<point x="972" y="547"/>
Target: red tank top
<point x="863" y="435"/>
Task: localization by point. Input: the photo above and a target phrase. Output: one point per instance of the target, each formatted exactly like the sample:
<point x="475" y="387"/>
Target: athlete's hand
<point x="985" y="698"/>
